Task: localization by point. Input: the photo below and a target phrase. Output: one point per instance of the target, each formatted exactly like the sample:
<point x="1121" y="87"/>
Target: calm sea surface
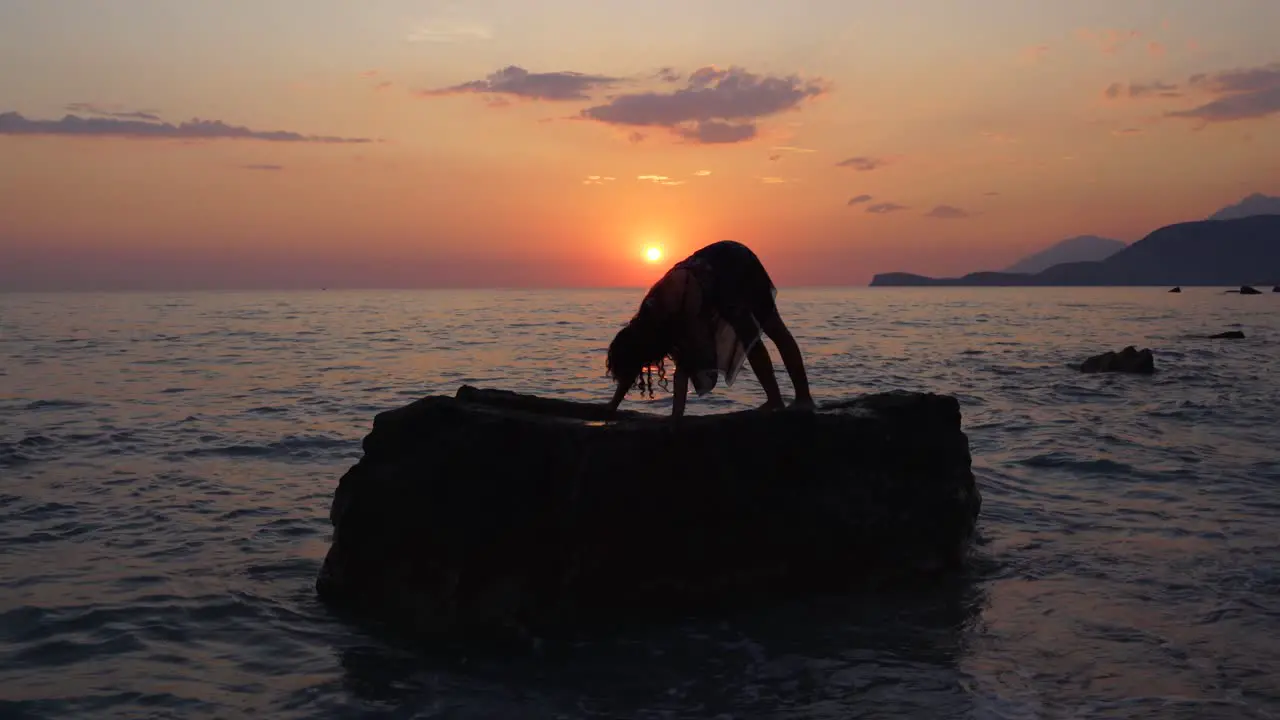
<point x="167" y="463"/>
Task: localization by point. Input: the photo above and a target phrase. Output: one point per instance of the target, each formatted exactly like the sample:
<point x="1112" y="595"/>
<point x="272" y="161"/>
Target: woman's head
<point x="636" y="350"/>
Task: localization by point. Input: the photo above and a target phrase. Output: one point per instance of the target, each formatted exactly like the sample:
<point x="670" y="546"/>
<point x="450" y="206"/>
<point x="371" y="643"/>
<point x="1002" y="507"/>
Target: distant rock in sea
<point x="1128" y="360"/>
<point x="1256" y="204"/>
<point x="1228" y="335"/>
<point x="1085" y="248"/>
<point x="1206" y="252"/>
<point x="1247" y="290"/>
<point x="1176" y="290"/>
<point x="491" y="513"/>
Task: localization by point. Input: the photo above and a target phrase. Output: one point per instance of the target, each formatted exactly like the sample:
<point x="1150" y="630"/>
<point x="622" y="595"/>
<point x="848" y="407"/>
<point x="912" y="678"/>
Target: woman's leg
<point x="790" y="351"/>
<point x="762" y="365"/>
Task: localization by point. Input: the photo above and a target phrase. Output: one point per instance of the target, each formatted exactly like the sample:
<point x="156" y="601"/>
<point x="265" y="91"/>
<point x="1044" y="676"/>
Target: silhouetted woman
<point x="707" y="314"/>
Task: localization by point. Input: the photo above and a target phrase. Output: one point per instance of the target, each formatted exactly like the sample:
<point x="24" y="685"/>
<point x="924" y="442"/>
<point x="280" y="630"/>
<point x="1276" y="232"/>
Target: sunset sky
<point x="408" y="143"/>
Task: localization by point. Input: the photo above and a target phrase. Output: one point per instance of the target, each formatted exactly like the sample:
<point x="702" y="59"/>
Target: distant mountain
<point x="1085" y="248"/>
<point x="1225" y="253"/>
<point x="1256" y="204"/>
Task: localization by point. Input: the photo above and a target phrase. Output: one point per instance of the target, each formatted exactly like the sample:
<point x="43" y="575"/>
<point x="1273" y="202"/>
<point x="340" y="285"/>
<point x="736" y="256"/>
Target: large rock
<point x="493" y="510"/>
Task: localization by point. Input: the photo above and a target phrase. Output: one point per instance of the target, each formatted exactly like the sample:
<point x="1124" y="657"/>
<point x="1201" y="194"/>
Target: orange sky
<point x="1024" y="125"/>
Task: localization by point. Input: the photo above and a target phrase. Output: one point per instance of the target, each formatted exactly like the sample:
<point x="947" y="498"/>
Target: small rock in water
<point x="1228" y="335"/>
<point x="1128" y="360"/>
<point x="1177" y="289"/>
<point x="1247" y="290"/>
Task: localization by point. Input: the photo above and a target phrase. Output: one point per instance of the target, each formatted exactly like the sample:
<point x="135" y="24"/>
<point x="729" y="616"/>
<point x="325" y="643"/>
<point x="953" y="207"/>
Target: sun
<point x="652" y="254"/>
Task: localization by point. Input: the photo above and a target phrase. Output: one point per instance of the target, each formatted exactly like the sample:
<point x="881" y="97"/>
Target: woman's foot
<point x="772" y="405"/>
<point x="803" y="404"/>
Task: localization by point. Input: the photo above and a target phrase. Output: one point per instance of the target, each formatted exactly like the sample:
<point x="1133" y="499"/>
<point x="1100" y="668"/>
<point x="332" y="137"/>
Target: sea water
<point x="167" y="463"/>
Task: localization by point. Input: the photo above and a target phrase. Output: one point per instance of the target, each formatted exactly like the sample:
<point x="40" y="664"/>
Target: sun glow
<point x="652" y="254"/>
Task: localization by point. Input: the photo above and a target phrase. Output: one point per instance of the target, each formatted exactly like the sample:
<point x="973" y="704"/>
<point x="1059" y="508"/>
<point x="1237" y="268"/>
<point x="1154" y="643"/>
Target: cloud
<point x="449" y="31"/>
<point x="714" y="106"/>
<point x="885" y="208"/>
<point x="262" y="167"/>
<point x="778" y="180"/>
<point x="12" y="123"/>
<point x="863" y="164"/>
<point x="999" y="137"/>
<point x="1127" y="131"/>
<point x="668" y="75"/>
<point x="1242" y="94"/>
<point x="516" y="81"/>
<point x="702" y="173"/>
<point x="660" y="180"/>
<point x="1109" y="41"/>
<point x="793" y="149"/>
<point x="712" y="132"/>
<point x="1142" y="90"/>
<point x="369" y="73"/>
<point x="859" y="200"/>
<point x="99" y="111"/>
<point x="947" y="212"/>
<point x="382" y="85"/>
<point x="1155" y="49"/>
<point x="597" y="180"/>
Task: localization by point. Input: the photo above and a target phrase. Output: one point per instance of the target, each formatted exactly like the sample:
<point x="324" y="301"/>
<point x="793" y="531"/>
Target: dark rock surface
<point x="1228" y="335"/>
<point x="490" y="511"/>
<point x="1247" y="290"/>
<point x="1176" y="290"/>
<point x="1128" y="360"/>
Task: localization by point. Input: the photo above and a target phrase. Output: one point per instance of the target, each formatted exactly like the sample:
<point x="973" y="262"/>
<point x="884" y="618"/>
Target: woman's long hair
<point x="640" y="347"/>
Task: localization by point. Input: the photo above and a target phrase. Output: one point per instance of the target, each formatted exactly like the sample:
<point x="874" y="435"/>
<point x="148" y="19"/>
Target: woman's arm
<point x="681" y="392"/>
<point x="620" y="393"/>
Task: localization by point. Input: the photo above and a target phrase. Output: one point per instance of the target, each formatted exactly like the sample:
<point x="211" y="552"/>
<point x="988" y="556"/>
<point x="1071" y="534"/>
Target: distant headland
<point x="1238" y="245"/>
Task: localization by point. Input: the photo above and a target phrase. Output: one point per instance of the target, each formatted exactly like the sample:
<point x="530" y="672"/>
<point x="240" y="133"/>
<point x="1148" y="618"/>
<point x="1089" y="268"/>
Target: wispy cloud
<point x="449" y="31"/>
<point x="272" y="168"/>
<point x="597" y="180"/>
<point x="1137" y="91"/>
<point x="793" y="149"/>
<point x="1156" y="49"/>
<point x="100" y="111"/>
<point x="1127" y="131"/>
<point x="1232" y="95"/>
<point x="702" y="173"/>
<point x="858" y="200"/>
<point x="947" y="212"/>
<point x="778" y="180"/>
<point x="668" y="75"/>
<point x="12" y="123"/>
<point x="517" y="82"/>
<point x="715" y="106"/>
<point x="885" y="208"/>
<point x="863" y="163"/>
<point x="659" y="180"/>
